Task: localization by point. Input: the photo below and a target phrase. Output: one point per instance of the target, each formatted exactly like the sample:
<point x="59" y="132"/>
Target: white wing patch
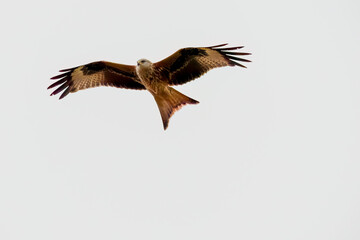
<point x="82" y="81"/>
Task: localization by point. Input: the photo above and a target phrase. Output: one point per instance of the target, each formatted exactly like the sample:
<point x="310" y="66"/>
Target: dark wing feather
<point x="190" y="63"/>
<point x="96" y="74"/>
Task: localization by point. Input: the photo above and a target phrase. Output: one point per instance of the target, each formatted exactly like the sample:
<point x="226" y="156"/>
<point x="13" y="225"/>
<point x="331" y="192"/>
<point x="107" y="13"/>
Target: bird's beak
<point x="138" y="63"/>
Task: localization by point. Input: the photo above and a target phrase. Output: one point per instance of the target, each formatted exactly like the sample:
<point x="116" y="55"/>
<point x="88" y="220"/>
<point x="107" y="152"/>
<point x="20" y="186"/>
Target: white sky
<point x="271" y="152"/>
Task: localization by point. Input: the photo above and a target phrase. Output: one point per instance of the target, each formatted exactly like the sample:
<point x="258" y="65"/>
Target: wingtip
<point x="230" y="48"/>
<point x="220" y="45"/>
<point x="65" y="93"/>
<point x="59" y="76"/>
<point x="231" y="55"/>
<point x="237" y="64"/>
<point x="67" y="69"/>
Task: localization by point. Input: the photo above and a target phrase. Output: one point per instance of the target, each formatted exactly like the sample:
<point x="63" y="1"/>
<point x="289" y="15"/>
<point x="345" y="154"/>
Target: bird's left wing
<point x="96" y="74"/>
<point x="190" y="63"/>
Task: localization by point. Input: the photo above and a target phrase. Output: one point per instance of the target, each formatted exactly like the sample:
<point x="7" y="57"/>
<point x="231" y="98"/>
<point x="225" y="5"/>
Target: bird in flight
<point x="181" y="67"/>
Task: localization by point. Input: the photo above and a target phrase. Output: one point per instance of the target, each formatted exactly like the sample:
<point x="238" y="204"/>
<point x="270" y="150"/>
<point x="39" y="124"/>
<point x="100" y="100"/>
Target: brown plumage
<point x="181" y="67"/>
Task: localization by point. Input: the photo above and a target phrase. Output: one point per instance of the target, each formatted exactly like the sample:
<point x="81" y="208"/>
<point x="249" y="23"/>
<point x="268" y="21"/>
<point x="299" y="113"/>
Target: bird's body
<point x="184" y="65"/>
<point x="149" y="76"/>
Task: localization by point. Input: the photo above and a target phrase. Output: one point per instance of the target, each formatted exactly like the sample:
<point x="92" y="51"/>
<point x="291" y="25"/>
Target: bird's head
<point x="144" y="63"/>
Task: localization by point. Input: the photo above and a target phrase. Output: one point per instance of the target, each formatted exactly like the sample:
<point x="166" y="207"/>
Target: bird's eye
<point x="142" y="61"/>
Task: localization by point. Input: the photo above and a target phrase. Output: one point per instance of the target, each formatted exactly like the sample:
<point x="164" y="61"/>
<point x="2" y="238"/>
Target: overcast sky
<point x="271" y="151"/>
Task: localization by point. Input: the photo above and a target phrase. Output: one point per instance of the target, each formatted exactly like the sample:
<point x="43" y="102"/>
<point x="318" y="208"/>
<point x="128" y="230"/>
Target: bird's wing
<point x="96" y="74"/>
<point x="190" y="63"/>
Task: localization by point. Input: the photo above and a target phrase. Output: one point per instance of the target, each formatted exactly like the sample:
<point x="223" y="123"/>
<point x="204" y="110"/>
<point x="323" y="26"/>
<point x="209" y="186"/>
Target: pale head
<point x="144" y="63"/>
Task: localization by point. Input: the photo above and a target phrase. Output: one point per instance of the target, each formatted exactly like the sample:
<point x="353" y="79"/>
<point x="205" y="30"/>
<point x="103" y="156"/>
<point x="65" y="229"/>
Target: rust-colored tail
<point x="169" y="101"/>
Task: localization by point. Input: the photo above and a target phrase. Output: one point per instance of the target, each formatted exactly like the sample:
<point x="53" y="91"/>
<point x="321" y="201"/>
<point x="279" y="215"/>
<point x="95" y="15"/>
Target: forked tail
<point x="169" y="101"/>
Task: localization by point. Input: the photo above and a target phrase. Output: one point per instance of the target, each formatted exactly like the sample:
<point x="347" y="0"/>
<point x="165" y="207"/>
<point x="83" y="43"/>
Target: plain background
<point x="271" y="152"/>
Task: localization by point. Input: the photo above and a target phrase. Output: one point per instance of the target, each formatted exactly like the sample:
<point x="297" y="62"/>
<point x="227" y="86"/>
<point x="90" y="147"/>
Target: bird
<point x="183" y="66"/>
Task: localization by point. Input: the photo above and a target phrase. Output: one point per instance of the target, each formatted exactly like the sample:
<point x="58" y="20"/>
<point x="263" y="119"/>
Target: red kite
<point x="181" y="67"/>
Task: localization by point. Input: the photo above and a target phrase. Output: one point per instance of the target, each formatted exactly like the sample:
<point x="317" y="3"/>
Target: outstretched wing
<point x="190" y="63"/>
<point x="96" y="74"/>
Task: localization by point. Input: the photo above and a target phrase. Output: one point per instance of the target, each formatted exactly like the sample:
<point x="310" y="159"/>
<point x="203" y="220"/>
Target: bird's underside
<point x="181" y="67"/>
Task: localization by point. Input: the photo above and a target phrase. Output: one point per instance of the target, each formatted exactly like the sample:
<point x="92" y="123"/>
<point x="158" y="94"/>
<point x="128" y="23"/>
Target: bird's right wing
<point x="96" y="74"/>
<point x="190" y="63"/>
